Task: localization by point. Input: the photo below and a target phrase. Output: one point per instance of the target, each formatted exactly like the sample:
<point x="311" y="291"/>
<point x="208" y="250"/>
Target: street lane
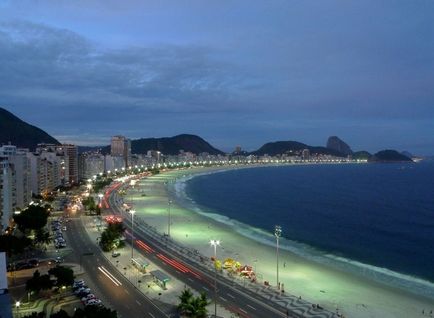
<point x="123" y="297"/>
<point x="237" y="299"/>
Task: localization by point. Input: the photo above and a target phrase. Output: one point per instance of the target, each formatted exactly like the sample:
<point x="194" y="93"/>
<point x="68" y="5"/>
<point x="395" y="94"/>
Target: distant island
<point x="19" y="133"/>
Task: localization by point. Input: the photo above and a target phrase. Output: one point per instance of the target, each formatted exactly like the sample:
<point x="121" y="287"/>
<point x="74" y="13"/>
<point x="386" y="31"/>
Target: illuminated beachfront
<point x="316" y="282"/>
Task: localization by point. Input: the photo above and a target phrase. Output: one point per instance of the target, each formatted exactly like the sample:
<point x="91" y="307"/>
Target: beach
<point x="320" y="283"/>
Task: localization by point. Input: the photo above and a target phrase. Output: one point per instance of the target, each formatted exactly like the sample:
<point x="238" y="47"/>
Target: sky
<point x="234" y="72"/>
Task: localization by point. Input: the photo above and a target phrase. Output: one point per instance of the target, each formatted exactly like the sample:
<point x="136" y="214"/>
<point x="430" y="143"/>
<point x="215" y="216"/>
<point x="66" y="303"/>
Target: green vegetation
<point x="191" y="306"/>
<point x="33" y="218"/>
<point x="64" y="276"/>
<point x="13" y="245"/>
<point x="87" y="312"/>
<point x="89" y="204"/>
<point x="39" y="282"/>
<point x="111" y="237"/>
<point x="100" y="184"/>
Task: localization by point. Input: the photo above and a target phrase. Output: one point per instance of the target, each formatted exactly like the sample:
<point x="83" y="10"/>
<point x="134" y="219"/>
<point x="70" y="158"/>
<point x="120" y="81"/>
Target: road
<point x="235" y="298"/>
<point x="124" y="298"/>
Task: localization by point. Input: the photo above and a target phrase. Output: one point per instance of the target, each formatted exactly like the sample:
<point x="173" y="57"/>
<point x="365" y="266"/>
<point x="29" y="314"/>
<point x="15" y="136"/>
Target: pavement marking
<point x="127" y="291"/>
<point x="138" y="302"/>
<point x="190" y="279"/>
<point x="224" y="299"/>
<point x="243" y="310"/>
<point x="205" y="288"/>
<point x="151" y="315"/>
<point x="233" y="297"/>
<point x="251" y="307"/>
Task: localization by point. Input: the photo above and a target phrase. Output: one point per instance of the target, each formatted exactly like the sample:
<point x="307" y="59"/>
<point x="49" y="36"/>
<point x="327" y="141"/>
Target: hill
<point x="20" y="133"/>
<point x="389" y="156"/>
<point x="172" y="145"/>
<point x="339" y="145"/>
<point x="282" y="147"/>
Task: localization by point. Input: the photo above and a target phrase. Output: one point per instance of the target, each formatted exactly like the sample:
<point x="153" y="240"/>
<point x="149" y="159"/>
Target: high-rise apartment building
<point x="20" y="164"/>
<point x="7" y="192"/>
<point x="71" y="154"/>
<point x="121" y="147"/>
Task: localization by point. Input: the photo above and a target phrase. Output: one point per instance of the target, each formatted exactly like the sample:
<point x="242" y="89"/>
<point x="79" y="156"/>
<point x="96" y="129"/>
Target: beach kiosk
<point x="160" y="278"/>
<point x="140" y="264"/>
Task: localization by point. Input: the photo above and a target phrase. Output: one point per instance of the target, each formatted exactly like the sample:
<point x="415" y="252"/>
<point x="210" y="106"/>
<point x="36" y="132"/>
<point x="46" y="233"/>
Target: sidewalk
<point x="294" y="304"/>
<point x="144" y="282"/>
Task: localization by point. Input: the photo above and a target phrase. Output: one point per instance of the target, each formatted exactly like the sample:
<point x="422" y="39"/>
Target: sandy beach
<point x="354" y="295"/>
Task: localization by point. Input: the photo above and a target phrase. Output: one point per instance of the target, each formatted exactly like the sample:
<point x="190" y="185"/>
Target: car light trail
<point x="109" y="275"/>
<point x="145" y="246"/>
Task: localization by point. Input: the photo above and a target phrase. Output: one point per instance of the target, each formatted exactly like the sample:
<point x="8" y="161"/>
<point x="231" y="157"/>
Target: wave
<point x="386" y="276"/>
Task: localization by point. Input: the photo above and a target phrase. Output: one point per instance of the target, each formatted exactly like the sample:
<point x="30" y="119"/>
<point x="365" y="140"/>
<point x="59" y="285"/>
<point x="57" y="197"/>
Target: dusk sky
<point x="234" y="72"/>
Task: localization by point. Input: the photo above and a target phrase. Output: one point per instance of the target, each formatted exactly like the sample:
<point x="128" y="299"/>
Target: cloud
<point x="257" y="71"/>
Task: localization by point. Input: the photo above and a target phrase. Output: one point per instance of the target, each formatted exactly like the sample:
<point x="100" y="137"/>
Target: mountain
<point x="282" y="147"/>
<point x="407" y="154"/>
<point x="20" y="133"/>
<point x="389" y="156"/>
<point x="362" y="155"/>
<point x="335" y="143"/>
<point x="172" y="145"/>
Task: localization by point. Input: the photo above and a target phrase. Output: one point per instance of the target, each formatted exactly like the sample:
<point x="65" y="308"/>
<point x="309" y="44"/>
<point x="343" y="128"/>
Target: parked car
<point x="116" y="254"/>
<point x="92" y="302"/>
<point x="88" y="297"/>
<point x="33" y="262"/>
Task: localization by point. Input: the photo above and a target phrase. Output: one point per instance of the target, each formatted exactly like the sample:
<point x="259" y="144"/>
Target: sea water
<point x="369" y="216"/>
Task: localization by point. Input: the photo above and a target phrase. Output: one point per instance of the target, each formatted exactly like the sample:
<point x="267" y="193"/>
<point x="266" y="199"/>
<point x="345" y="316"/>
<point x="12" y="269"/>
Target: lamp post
<point x="277" y="234"/>
<point x="17" y="306"/>
<point x="168" y="221"/>
<point x="215" y="243"/>
<point x="132" y="233"/>
<point x="100" y="196"/>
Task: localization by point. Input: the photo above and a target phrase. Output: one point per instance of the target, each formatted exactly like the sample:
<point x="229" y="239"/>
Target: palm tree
<point x="185" y="300"/>
<point x="193" y="306"/>
<point x="199" y="306"/>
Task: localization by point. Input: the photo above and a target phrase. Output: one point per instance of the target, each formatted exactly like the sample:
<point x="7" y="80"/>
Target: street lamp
<point x="17" y="306"/>
<point x="100" y="196"/>
<point x="215" y="243"/>
<point x="168" y="221"/>
<point x="132" y="233"/>
<point x="277" y="234"/>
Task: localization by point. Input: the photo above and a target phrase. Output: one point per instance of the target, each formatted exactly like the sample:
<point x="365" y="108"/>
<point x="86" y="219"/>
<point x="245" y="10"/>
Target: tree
<point x="193" y="306"/>
<point x="33" y="218"/>
<point x="64" y="275"/>
<point x="39" y="282"/>
<point x="42" y="237"/>
<point x="111" y="237"/>
<point x="60" y="314"/>
<point x="35" y="315"/>
<point x="13" y="245"/>
<point x="95" y="312"/>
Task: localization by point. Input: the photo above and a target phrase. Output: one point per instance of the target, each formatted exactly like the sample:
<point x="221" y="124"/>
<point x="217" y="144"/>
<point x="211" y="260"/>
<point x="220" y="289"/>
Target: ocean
<point x="379" y="215"/>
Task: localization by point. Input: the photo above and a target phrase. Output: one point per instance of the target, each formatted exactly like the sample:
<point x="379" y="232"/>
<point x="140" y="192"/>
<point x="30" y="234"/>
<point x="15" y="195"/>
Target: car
<point x="79" y="282"/>
<point x="58" y="260"/>
<point x="88" y="297"/>
<point x="92" y="302"/>
<point x="22" y="265"/>
<point x="116" y="254"/>
<point x="64" y="228"/>
<point x="82" y="291"/>
<point x="33" y="262"/>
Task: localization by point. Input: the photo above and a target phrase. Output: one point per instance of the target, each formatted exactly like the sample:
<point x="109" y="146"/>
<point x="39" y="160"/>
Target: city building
<point x="5" y="299"/>
<point x="7" y="192"/>
<point x="70" y="153"/>
<point x="21" y="166"/>
<point x="90" y="165"/>
<point x="121" y="147"/>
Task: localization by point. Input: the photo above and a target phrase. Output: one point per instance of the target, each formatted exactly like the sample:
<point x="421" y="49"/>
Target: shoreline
<point x="353" y="295"/>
